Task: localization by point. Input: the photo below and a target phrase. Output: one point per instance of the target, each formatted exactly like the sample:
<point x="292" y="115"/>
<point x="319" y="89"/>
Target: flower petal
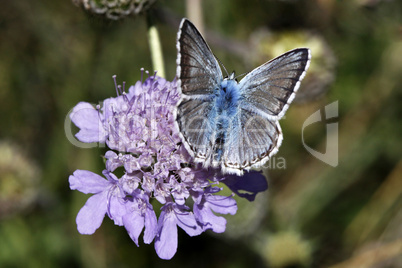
<point x="92" y="213"/>
<point x="117" y="209"/>
<point x="134" y="224"/>
<point x="166" y="241"/>
<point x="86" y="117"/>
<point x="187" y="222"/>
<point x="112" y="161"/>
<point x="222" y="204"/>
<point x="209" y="219"/>
<point x="87" y="182"/>
<point x="151" y="226"/>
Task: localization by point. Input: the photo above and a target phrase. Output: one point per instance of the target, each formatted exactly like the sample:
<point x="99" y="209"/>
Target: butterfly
<point x="228" y="124"/>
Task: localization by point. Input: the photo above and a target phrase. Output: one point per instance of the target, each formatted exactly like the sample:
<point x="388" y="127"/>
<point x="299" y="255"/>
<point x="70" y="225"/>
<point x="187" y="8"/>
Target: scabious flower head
<point x="138" y="128"/>
<point x="115" y="9"/>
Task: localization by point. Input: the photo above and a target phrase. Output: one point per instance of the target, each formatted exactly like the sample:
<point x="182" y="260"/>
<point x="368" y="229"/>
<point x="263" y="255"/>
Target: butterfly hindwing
<point x="195" y="127"/>
<point x="252" y="139"/>
<point x="198" y="71"/>
<point x="269" y="89"/>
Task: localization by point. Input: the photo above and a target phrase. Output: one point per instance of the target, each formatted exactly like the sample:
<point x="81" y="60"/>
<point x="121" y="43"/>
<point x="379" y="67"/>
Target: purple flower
<point x="206" y="203"/>
<point x="174" y="215"/>
<point x="87" y="118"/>
<point x="140" y="213"/>
<point x="138" y="127"/>
<point x="106" y="199"/>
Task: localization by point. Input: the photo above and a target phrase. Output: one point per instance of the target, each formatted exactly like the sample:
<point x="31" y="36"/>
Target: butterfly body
<point x="225" y="109"/>
<point x="228" y="124"/>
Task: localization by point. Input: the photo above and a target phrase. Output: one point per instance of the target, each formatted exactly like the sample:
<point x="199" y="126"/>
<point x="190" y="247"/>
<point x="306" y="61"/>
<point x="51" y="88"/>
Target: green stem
<point x="155" y="47"/>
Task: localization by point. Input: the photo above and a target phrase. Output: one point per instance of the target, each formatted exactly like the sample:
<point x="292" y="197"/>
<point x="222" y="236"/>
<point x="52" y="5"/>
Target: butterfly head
<point x="232" y="76"/>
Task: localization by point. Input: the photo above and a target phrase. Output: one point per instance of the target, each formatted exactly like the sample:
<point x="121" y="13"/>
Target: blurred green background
<point x="53" y="54"/>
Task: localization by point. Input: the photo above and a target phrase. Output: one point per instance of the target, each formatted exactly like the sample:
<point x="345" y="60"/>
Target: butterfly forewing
<point x="198" y="71"/>
<point x="269" y="89"/>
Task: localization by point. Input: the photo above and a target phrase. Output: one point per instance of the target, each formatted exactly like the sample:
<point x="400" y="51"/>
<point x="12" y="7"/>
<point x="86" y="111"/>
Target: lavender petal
<point x="86" y="117"/>
<point x="91" y="215"/>
<point x="187" y="222"/>
<point x="166" y="241"/>
<point x="151" y="226"/>
<point x="209" y="219"/>
<point x="117" y="210"/>
<point x="134" y="223"/>
<point x="87" y="182"/>
<point x="222" y="204"/>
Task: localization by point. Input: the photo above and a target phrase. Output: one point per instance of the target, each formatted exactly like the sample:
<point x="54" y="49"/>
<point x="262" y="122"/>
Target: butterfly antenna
<point x="227" y="74"/>
<point x="243" y="74"/>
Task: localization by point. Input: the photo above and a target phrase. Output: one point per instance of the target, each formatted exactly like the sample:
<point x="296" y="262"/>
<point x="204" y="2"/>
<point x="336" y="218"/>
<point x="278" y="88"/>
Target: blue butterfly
<point x="226" y="124"/>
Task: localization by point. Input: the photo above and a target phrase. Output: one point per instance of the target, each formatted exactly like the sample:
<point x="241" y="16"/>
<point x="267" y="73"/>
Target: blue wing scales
<point x="252" y="140"/>
<point x="269" y="89"/>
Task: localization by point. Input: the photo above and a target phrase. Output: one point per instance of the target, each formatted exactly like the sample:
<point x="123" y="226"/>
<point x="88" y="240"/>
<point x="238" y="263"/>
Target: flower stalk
<point x="155" y="46"/>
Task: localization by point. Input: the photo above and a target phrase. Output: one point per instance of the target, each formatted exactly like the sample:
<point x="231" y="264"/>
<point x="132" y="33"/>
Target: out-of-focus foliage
<point x="53" y="55"/>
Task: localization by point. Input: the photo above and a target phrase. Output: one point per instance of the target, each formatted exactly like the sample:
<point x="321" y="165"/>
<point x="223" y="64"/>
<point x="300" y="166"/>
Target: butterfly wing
<point x="198" y="75"/>
<point x="196" y="128"/>
<point x="252" y="140"/>
<point x="269" y="89"/>
<point x="198" y="71"/>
